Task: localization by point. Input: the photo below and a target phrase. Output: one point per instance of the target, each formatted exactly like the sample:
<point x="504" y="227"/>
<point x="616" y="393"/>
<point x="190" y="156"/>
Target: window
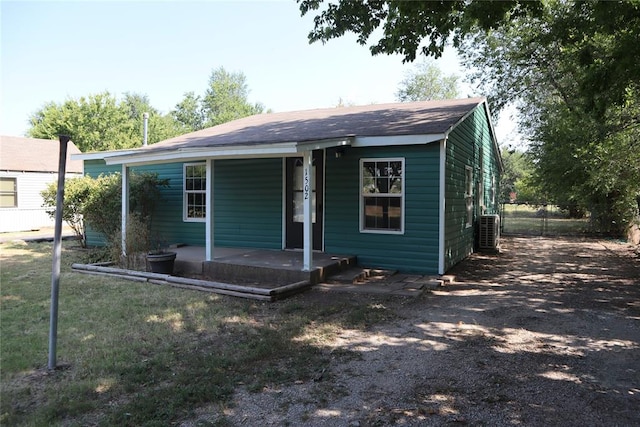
<point x="195" y="191"/>
<point x="382" y="195"/>
<point x="468" y="194"/>
<point x="8" y="193"/>
<point x="493" y="191"/>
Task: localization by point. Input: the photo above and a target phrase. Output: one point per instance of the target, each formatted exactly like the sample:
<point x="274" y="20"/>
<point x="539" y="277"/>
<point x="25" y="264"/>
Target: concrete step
<point x="355" y="275"/>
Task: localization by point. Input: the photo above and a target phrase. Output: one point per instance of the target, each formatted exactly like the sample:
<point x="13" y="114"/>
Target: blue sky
<point x="52" y="51"/>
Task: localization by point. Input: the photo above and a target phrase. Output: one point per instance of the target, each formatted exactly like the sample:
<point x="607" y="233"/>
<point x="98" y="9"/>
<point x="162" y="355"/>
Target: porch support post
<point x="442" y="205"/>
<point x="209" y="213"/>
<point x="125" y="208"/>
<point x="307" y="228"/>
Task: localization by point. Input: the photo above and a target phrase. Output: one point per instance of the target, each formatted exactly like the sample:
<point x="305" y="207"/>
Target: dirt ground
<point x="545" y="333"/>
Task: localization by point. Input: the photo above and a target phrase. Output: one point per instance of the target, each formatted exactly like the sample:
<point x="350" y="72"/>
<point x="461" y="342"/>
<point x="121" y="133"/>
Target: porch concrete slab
<point x="262" y="267"/>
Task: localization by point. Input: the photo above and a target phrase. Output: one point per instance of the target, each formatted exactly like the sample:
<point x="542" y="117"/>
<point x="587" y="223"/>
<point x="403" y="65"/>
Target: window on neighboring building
<point x="382" y="195"/>
<point x="468" y="194"/>
<point x="8" y="192"/>
<point x="195" y="191"/>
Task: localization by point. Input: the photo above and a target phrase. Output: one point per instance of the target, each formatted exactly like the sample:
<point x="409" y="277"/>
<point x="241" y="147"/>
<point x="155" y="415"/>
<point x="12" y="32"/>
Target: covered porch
<point x="258" y="267"/>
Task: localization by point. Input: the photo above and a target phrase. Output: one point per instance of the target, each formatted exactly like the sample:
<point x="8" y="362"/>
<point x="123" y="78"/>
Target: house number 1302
<point x="306" y="184"/>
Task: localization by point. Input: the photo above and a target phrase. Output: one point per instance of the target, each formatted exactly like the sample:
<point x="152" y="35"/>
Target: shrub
<point x="77" y="192"/>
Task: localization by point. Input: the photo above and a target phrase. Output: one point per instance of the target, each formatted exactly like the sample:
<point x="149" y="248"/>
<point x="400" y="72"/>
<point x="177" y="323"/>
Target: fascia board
<point x="385" y="141"/>
<point x="326" y="143"/>
<point x="250" y="151"/>
<point x="100" y="155"/>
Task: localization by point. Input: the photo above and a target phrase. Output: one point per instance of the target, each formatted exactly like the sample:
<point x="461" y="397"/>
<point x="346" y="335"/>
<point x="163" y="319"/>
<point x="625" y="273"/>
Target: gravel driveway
<point x="545" y="333"/>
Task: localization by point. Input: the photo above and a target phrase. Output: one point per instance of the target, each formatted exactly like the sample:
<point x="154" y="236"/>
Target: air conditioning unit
<point x="489" y="236"/>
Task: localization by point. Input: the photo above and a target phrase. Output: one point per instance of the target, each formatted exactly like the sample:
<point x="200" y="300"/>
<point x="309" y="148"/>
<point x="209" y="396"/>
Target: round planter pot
<point x="162" y="263"/>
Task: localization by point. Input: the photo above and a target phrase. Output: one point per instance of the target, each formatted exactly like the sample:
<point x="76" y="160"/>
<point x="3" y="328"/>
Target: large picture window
<point x="382" y="195"/>
<point x="195" y="191"/>
<point x="8" y="193"/>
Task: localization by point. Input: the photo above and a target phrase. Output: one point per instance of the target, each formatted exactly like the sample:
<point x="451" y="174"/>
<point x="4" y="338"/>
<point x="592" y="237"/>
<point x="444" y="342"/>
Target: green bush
<point x="77" y="192"/>
<point x="98" y="202"/>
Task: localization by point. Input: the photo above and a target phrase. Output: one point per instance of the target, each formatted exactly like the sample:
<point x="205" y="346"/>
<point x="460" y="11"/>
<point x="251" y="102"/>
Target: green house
<point x="401" y="186"/>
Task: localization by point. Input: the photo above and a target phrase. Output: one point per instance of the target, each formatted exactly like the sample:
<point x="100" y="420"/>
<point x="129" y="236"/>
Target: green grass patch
<point x="144" y="355"/>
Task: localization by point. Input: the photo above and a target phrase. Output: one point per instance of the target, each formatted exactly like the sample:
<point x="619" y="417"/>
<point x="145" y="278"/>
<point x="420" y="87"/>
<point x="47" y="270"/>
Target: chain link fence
<point x="541" y="220"/>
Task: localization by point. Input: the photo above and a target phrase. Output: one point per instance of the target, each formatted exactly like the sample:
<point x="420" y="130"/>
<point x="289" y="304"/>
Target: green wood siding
<point x="248" y="203"/>
<point x="470" y="141"/>
<point x="414" y="251"/>
<point x="167" y="218"/>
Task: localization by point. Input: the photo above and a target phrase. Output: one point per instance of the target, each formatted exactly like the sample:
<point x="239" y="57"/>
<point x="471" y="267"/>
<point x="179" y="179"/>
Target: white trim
<point x="468" y="184"/>
<point x="284" y="203"/>
<point x="307" y="226"/>
<point x="324" y="186"/>
<point x="322" y="144"/>
<point x="124" y="210"/>
<point x="282" y="149"/>
<point x="465" y="117"/>
<point x="385" y="141"/>
<point x="185" y="218"/>
<point x="100" y="155"/>
<point x="401" y="195"/>
<point x="442" y="206"/>
<point x="169" y="155"/>
<point x="209" y="224"/>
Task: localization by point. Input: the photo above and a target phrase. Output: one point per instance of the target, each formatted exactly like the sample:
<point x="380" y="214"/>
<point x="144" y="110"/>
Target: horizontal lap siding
<point x="248" y="203"/>
<point x="167" y="217"/>
<point x="463" y="149"/>
<point x="414" y="251"/>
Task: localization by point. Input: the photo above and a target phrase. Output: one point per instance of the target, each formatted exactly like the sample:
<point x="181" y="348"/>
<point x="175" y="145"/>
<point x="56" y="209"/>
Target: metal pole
<point x="57" y="249"/>
<point x="145" y="121"/>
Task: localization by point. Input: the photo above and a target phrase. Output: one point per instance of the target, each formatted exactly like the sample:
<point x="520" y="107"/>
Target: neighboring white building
<point x="27" y="166"/>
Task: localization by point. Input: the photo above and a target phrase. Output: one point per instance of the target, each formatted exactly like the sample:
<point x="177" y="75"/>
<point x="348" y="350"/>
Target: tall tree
<point x="427" y="82"/>
<point x="406" y="25"/>
<point x="94" y="123"/>
<point x="160" y="126"/>
<point x="584" y="131"/>
<point x="226" y="98"/>
<point x="99" y="122"/>
<point x="189" y="112"/>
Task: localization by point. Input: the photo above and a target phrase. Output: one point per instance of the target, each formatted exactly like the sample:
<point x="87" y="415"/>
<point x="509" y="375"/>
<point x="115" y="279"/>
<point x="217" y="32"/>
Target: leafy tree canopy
<point x="427" y="82"/>
<point x="225" y="99"/>
<point x="409" y="27"/>
<point x="100" y="122"/>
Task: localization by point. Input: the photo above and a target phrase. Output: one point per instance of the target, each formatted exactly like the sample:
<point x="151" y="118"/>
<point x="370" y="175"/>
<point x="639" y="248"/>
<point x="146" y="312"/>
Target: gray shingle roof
<point x="411" y="118"/>
<point x="35" y="155"/>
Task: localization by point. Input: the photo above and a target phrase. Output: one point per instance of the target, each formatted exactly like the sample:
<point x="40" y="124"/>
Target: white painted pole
<point x="209" y="229"/>
<point x="57" y="252"/>
<point x="125" y="209"/>
<point x="307" y="192"/>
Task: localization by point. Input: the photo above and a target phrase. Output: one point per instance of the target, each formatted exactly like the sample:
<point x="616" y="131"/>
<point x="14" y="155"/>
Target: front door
<point x="294" y="199"/>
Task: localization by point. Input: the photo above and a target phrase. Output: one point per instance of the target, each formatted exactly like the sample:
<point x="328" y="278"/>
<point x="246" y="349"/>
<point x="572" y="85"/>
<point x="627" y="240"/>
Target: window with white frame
<point x="8" y="192"/>
<point x="382" y="195"/>
<point x="195" y="192"/>
<point x="493" y="190"/>
<point x="468" y="194"/>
